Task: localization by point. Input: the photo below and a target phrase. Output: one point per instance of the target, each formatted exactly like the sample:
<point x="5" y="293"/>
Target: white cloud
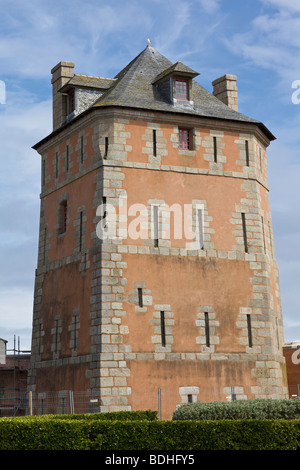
<point x="292" y="5"/>
<point x="210" y="6"/>
<point x="16" y="308"/>
<point x="272" y="41"/>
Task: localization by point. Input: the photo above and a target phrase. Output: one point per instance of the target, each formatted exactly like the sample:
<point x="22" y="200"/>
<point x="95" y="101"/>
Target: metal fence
<point x="13" y="402"/>
<point x="164" y="401"/>
<point x="294" y="391"/>
<point x="74" y="402"/>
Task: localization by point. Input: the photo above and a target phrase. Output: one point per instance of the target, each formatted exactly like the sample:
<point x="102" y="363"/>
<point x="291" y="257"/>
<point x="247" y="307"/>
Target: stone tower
<point x="156" y="266"/>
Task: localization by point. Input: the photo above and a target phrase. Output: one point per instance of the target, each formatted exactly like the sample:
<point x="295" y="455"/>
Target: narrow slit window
<point x="56" y="165"/>
<point x="106" y="147"/>
<point x="206" y="324"/>
<point x="155" y="225"/>
<point x="140" y="297"/>
<point x="154" y="143"/>
<point x="80" y="230"/>
<point x="67" y="159"/>
<point x="190" y="398"/>
<point x="81" y="149"/>
<point x="215" y="150"/>
<point x="247" y="152"/>
<point x="263" y="233"/>
<point x="104" y="211"/>
<point x="200" y="229"/>
<point x="63" y="210"/>
<point x="163" y="329"/>
<point x="244" y="232"/>
<point x="249" y="328"/>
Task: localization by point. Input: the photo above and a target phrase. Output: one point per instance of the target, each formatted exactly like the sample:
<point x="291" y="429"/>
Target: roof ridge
<point x="92" y="76"/>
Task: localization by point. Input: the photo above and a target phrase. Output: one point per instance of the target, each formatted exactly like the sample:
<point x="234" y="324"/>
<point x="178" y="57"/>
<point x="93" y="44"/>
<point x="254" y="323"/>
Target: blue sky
<point x="257" y="40"/>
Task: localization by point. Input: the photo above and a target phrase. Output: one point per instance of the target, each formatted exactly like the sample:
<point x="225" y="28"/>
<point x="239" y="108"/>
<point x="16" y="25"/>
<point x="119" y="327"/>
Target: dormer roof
<point x="177" y="69"/>
<point x="87" y="81"/>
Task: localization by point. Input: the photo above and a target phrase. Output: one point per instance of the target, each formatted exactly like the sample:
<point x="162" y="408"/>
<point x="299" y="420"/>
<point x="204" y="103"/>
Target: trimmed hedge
<point x="147" y="415"/>
<point x="240" y="409"/>
<point x="195" y="435"/>
<point x="44" y="433"/>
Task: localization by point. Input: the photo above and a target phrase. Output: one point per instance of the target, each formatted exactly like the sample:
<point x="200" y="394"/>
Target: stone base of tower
<point x="162" y="385"/>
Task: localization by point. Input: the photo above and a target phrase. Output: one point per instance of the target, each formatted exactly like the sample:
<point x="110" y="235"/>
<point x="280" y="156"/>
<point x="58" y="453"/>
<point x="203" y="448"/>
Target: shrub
<point x="240" y="409"/>
<point x="140" y="415"/>
<point x="32" y="433"/>
<point x="61" y="432"/>
<point x="39" y="433"/>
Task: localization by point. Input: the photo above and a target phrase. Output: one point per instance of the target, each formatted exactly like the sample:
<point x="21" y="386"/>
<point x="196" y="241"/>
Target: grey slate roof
<point x="137" y="86"/>
<point x="133" y="87"/>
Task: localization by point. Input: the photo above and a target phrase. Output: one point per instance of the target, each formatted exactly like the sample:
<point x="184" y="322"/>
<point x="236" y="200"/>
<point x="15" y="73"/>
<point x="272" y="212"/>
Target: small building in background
<point x="291" y="352"/>
<point x="13" y="381"/>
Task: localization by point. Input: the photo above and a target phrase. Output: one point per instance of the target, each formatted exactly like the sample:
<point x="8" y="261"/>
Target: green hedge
<point x="44" y="433"/>
<point x="147" y="415"/>
<point x="195" y="435"/>
<point x="240" y="409"/>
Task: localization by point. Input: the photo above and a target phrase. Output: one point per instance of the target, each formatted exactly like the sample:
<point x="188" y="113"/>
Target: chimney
<point x="61" y="74"/>
<point x="225" y="90"/>
<point x="3" y="351"/>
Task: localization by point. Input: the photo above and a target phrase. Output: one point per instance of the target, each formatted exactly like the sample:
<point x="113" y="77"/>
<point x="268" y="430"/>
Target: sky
<point x="257" y="40"/>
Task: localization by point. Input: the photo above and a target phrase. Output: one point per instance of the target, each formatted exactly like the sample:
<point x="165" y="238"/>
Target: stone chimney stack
<point x="61" y="73"/>
<point x="225" y="90"/>
<point x="3" y="351"/>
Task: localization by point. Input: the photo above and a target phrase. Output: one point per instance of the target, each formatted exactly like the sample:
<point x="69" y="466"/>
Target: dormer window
<point x="181" y="89"/>
<point x="174" y="85"/>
